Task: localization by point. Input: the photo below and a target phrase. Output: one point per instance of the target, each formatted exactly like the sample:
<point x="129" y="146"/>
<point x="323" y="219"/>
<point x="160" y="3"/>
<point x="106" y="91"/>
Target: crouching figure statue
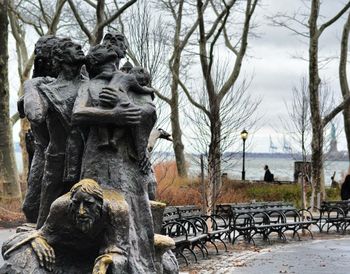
<point x="86" y="232"/>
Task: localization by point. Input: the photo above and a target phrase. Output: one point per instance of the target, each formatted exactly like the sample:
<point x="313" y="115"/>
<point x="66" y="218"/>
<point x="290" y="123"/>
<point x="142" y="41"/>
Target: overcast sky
<point x="276" y="70"/>
<point x="273" y="67"/>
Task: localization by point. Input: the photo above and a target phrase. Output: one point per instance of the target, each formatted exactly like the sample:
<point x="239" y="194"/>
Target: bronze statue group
<point x="89" y="192"/>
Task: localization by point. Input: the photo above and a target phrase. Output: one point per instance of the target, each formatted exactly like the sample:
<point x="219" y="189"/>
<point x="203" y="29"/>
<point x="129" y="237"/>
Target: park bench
<point x="187" y="225"/>
<point x="184" y="233"/>
<point x="218" y="227"/>
<point x="333" y="214"/>
<point x="251" y="219"/>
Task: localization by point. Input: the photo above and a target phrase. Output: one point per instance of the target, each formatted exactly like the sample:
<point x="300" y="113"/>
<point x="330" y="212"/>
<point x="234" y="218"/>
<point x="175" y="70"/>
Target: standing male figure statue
<point x="27" y="107"/>
<point x="63" y="153"/>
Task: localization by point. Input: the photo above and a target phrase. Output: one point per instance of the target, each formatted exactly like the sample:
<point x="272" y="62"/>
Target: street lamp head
<point x="244" y="135"/>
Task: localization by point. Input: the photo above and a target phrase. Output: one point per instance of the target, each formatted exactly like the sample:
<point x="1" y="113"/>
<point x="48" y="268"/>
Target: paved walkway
<point x="328" y="256"/>
<point x="325" y="255"/>
<point x="4" y="235"/>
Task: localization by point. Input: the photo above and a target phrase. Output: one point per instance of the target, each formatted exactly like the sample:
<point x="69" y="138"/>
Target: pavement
<point x="327" y="254"/>
<point x="4" y="235"/>
<point x="324" y="255"/>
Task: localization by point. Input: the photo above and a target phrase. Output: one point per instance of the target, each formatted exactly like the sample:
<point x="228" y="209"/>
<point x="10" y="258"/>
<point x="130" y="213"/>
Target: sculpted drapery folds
<point x="63" y="152"/>
<point x="97" y="131"/>
<point x="129" y="120"/>
<point x="44" y="72"/>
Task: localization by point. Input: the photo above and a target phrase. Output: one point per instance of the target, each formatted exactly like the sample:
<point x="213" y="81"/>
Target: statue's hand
<point x="127" y="114"/>
<point x="109" y="97"/>
<point x="44" y="252"/>
<point x="102" y="263"/>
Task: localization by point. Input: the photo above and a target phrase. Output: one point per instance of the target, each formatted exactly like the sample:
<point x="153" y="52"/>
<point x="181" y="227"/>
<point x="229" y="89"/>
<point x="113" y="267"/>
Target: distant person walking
<point x="345" y="188"/>
<point x="268" y="175"/>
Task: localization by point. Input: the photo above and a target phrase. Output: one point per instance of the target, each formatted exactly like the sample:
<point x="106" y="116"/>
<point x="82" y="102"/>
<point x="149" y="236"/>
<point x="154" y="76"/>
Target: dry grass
<point x="174" y="190"/>
<point x="11" y="209"/>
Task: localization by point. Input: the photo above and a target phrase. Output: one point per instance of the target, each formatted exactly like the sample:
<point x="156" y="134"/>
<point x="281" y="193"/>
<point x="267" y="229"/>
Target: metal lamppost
<point x="244" y="136"/>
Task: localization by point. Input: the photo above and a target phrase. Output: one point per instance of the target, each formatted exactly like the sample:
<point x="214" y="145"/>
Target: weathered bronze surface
<point x="91" y="124"/>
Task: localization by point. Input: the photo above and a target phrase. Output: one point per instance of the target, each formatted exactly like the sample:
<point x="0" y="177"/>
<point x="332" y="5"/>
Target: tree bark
<point x="343" y="79"/>
<point x="8" y="170"/>
<point x="177" y="138"/>
<point x="316" y="119"/>
<point x="174" y="65"/>
<point x="214" y="157"/>
<point x="175" y="117"/>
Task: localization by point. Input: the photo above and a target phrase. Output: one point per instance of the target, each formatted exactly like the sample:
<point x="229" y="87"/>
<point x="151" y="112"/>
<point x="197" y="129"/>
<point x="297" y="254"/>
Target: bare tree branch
<point x="193" y="102"/>
<point x="80" y="21"/>
<point x="216" y="37"/>
<point x="46" y="19"/>
<point x="161" y="96"/>
<point x="117" y="13"/>
<point x="219" y="17"/>
<point x="285" y="21"/>
<point x="335" y="18"/>
<point x="52" y="27"/>
<point x="92" y="4"/>
<point x="250" y="8"/>
<point x="336" y="110"/>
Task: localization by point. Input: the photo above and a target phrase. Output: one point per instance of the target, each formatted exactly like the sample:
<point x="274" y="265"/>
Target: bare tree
<point x="308" y="27"/>
<point x="298" y="123"/>
<point x="8" y="170"/>
<point x="210" y="32"/>
<point x="179" y="32"/>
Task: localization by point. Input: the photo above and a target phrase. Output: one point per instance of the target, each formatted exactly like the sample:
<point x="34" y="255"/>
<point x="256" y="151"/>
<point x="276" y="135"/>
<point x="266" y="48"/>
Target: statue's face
<point x="86" y="210"/>
<point x="117" y="42"/>
<point x="73" y="53"/>
<point x="104" y="54"/>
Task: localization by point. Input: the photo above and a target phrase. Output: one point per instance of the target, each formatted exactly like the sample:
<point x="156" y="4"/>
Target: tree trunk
<point x="346" y="116"/>
<point x="316" y="119"/>
<point x="8" y="170"/>
<point x="174" y="65"/>
<point x="343" y="79"/>
<point x="214" y="157"/>
<point x="177" y="141"/>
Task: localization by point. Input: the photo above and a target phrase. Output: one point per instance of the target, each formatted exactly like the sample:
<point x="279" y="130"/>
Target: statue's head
<point x="98" y="56"/>
<point x="142" y="75"/>
<point x="67" y="52"/>
<point x="86" y="201"/>
<point x="126" y="67"/>
<point x="43" y="56"/>
<point x="117" y="41"/>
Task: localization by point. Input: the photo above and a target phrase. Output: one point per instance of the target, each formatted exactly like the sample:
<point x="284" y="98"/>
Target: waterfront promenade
<point x="326" y="254"/>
